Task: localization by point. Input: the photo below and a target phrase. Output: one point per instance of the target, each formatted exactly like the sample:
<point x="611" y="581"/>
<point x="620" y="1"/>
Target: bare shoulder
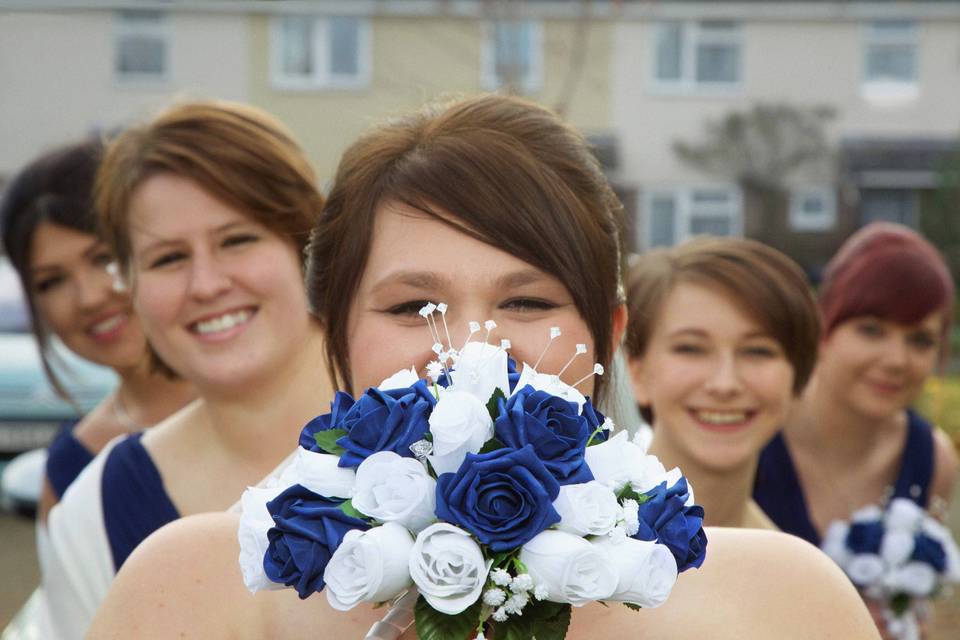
<point x="754" y="585"/>
<point x="183" y="581"/>
<point x="944" y="465"/>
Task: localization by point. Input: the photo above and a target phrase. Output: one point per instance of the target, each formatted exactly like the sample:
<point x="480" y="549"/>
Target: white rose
<point x="618" y="462"/>
<point x="321" y="473"/>
<point x="400" y="380"/>
<point x="835" y="542"/>
<point x="573" y="570"/>
<point x="942" y="534"/>
<point x="896" y="546"/>
<point x="865" y="569"/>
<point x="903" y="514"/>
<point x="460" y="424"/>
<point x="448" y="567"/>
<point x="915" y="578"/>
<point x="550" y="383"/>
<point x="369" y="566"/>
<point x="255" y="521"/>
<point x="647" y="570"/>
<point x="587" y="509"/>
<point x="870" y="513"/>
<point x="391" y="488"/>
<point x="480" y="369"/>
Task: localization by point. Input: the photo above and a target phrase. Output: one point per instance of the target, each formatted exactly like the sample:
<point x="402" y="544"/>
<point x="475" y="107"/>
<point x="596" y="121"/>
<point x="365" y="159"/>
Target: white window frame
<point x="694" y="33"/>
<point x="683" y="198"/>
<point x="879" y="89"/>
<point x="805" y="221"/>
<point x="489" y="80"/>
<point x="321" y="78"/>
<point x="124" y="29"/>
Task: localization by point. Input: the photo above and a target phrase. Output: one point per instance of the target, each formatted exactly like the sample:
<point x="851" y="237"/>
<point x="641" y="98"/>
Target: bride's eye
<point x="527" y="305"/>
<point x="410" y="308"/>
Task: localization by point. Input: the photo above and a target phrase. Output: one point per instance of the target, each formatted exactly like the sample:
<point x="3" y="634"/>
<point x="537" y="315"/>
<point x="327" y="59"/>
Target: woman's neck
<point x="148" y="396"/>
<point x="825" y="416"/>
<point x="724" y="494"/>
<point x="261" y="423"/>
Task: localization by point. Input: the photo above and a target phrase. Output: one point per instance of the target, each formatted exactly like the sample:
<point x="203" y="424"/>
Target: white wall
<point x="57" y="81"/>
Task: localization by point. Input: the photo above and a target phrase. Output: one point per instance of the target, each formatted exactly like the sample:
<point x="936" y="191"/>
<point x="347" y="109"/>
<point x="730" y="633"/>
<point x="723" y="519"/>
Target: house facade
<point x="886" y="72"/>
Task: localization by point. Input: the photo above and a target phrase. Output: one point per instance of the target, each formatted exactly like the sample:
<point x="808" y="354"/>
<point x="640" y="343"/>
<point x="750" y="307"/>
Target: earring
<point x="118" y="284"/>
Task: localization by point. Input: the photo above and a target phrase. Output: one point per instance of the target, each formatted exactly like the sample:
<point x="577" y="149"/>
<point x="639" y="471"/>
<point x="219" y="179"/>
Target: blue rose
<point x="338" y="408"/>
<point x="594" y="418"/>
<point x="553" y="426"/>
<point x="389" y="420"/>
<point x="504" y="498"/>
<point x="865" y="537"/>
<point x="664" y="518"/>
<point x="307" y="529"/>
<point x="929" y="551"/>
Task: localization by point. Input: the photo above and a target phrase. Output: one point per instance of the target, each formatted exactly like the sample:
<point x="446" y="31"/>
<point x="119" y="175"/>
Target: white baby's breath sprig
<point x="494" y="597"/>
<point x="521" y="583"/>
<point x="631" y="516"/>
<point x="541" y="592"/>
<point x="501" y="577"/>
<point x="500" y="615"/>
<point x="515" y="603"/>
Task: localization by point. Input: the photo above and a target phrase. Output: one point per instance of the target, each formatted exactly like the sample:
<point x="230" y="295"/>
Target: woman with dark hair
<point x="49" y="235"/>
<point x="207" y="209"/>
<point x="716" y="386"/>
<point x="496" y="207"/>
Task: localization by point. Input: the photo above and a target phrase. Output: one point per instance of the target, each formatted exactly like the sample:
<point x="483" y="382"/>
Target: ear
<point x="619" y="324"/>
<point x="638" y="381"/>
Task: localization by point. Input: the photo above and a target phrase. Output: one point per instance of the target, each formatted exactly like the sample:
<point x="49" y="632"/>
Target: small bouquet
<point x="897" y="556"/>
<point x="497" y="494"/>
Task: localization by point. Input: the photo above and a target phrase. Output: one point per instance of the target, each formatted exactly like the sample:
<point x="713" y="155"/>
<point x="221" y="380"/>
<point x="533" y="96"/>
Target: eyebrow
<point x="95" y="245"/>
<point x="703" y="334"/>
<point x="432" y="280"/>
<point x="160" y="241"/>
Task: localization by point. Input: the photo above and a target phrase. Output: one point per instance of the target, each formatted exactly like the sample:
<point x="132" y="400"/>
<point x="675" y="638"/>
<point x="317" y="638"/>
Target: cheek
<point x="156" y="301"/>
<point x="54" y="309"/>
<point x="670" y="381"/>
<point x="774" y="384"/>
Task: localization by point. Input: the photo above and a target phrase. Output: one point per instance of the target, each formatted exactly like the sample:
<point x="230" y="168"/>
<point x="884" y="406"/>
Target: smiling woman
<point x="207" y="209"/>
<point x="717" y="385"/>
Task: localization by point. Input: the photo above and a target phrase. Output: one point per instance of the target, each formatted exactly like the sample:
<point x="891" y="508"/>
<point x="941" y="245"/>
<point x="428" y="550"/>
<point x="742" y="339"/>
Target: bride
<point x="494" y="206"/>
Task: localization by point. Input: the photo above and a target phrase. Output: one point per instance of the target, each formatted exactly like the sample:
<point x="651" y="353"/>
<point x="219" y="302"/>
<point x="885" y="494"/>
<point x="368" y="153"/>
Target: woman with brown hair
<point x="721" y="339"/>
<point x="207" y="209"/>
<point x="497" y="208"/>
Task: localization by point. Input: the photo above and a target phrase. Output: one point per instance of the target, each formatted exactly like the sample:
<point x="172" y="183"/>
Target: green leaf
<point x="900" y="603"/>
<point x="634" y="607"/>
<point x="347" y="507"/>
<point x="433" y="625"/>
<point x="491" y="445"/>
<point x="493" y="404"/>
<point x="542" y="620"/>
<point x="327" y="440"/>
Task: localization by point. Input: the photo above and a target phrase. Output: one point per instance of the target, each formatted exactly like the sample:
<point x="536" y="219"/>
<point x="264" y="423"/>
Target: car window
<point x="14" y="317"/>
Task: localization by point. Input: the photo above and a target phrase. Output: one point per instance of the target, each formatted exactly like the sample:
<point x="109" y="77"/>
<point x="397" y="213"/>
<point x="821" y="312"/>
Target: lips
<point x="722" y="420"/>
<point x="108" y="327"/>
<point x="222" y="325"/>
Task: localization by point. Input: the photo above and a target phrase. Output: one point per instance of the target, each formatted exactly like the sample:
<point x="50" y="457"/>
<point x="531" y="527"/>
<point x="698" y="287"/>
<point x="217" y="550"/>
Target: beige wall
<point x="413" y="61"/>
<point x="802" y="63"/>
<point x="57" y="81"/>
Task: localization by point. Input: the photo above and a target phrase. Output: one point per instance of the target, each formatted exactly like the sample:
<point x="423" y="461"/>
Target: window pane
<point x="296" y="46"/>
<point x="512" y="42"/>
<point x="139" y="18"/>
<point x="669" y="51"/>
<point x="711" y="197"/>
<point x="892" y="28"/>
<point x="890" y="63"/>
<point x="710" y="225"/>
<point x="344" y="46"/>
<point x="662" y="221"/>
<point x="812" y="205"/>
<point x="140" y="55"/>
<point x="718" y="62"/>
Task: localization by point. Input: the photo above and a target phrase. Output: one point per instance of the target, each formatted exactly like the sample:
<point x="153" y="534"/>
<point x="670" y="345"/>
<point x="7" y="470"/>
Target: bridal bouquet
<point x="496" y="494"/>
<point x="897" y="556"/>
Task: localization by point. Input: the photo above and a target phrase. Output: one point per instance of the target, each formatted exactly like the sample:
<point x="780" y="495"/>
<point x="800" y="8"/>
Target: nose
<point x="724" y="381"/>
<point x="896" y="352"/>
<point x="94" y="288"/>
<point x="208" y="279"/>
